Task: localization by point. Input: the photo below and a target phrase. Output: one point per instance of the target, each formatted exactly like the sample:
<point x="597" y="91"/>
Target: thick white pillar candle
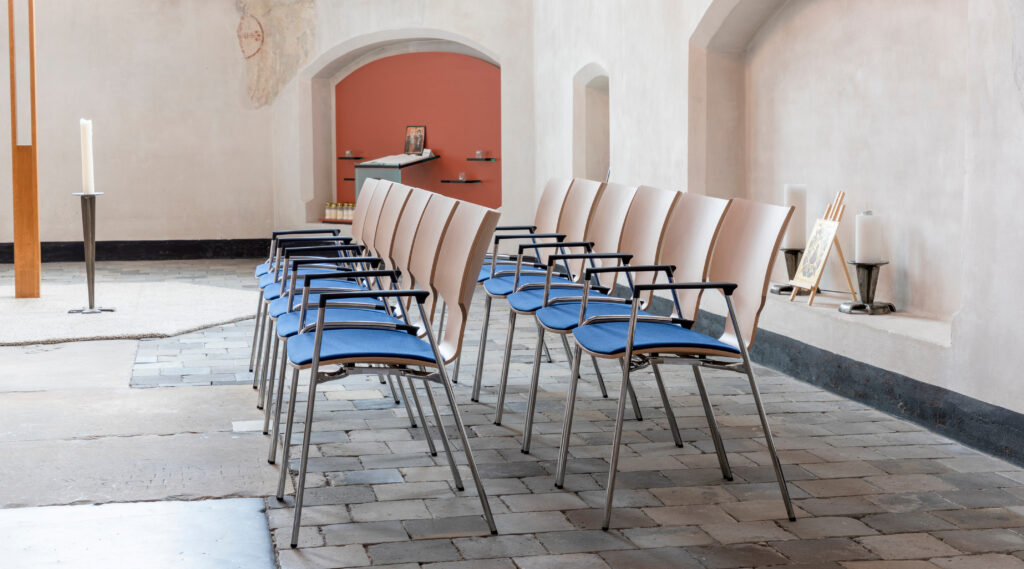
<point x="868" y="238"/>
<point x="88" y="183"/>
<point x="796" y="234"/>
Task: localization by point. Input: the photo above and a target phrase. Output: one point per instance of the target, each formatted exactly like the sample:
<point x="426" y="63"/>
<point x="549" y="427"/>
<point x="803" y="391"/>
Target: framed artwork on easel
<point x="823" y="239"/>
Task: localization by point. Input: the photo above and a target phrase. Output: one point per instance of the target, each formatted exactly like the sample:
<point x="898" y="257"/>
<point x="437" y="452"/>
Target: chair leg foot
<point x="481" y="351"/>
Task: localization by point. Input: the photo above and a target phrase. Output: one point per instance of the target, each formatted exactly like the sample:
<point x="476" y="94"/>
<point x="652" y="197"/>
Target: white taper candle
<point x="868" y="238"/>
<point x="88" y="182"/>
<point x="796" y="234"/>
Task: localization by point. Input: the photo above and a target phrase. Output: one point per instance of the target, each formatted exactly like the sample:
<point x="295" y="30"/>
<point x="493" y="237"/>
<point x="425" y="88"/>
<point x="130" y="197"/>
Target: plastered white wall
<point x="180" y="152"/>
<point x="869" y="97"/>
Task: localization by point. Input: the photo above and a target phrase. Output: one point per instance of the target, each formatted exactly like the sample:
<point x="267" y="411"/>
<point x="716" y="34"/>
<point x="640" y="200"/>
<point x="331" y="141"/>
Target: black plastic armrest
<point x="372" y="261"/>
<point x="294" y="241"/>
<point x="530" y="228"/>
<point x="394" y="274"/>
<point x="500" y="238"/>
<point x="668" y="269"/>
<point x="525" y="246"/>
<point x="288" y="251"/>
<point x="305" y="232"/>
<point x="419" y="295"/>
<point x="727" y="288"/>
<point x="624" y="256"/>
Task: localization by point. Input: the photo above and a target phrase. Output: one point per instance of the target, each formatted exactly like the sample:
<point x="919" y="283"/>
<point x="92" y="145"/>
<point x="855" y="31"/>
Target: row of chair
<point x="587" y="238"/>
<point x="658" y="240"/>
<point x="346" y="306"/>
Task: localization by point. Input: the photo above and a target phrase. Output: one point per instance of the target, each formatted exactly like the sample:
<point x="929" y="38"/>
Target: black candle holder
<point x="792" y="262"/>
<point x="89" y="241"/>
<point x="867" y="280"/>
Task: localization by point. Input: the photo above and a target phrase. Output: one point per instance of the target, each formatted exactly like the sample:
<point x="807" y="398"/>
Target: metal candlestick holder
<point x="867" y="280"/>
<point x="89" y="238"/>
<point x="792" y="262"/>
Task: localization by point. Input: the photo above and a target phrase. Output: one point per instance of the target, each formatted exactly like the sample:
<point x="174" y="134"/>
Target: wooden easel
<point x="833" y="213"/>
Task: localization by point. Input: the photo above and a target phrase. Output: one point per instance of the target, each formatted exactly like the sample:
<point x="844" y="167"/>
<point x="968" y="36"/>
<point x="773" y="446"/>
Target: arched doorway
<point x="591" y="154"/>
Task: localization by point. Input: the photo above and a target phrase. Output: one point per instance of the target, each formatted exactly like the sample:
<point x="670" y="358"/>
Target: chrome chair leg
<point x="269" y="363"/>
<point x="287" y="443"/>
<point x="394" y="392"/>
<point x="444" y="437"/>
<point x="570" y="405"/>
<point x="500" y="406"/>
<point x="613" y="465"/>
<point x="455" y="370"/>
<point x="275" y="408"/>
<point x="255" y="329"/>
<point x="547" y="353"/>
<point x="423" y="418"/>
<point x="769" y="441"/>
<point x="565" y="346"/>
<point x="716" y="436"/>
<point x="668" y="407"/>
<point x="464" y="438"/>
<point x="267" y="387"/>
<point x="307" y="435"/>
<point x="531" y="403"/>
<point x="632" y="395"/>
<point x="405" y="398"/>
<point x="600" y="378"/>
<point x="478" y="378"/>
<point x="256" y="347"/>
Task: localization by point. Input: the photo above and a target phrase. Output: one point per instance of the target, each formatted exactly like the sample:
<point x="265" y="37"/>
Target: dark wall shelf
<point x="350" y="157"/>
<point x="461" y="181"/>
<point x="337" y="221"/>
<point x="349" y="179"/>
<point x="481" y="159"/>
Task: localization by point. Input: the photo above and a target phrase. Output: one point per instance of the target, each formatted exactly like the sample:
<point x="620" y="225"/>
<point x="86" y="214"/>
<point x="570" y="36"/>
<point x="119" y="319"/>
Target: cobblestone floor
<point x="214" y="356"/>
<point x="871" y="491"/>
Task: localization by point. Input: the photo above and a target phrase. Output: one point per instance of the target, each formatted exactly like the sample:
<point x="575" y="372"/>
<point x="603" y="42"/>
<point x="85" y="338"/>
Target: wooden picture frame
<point x="415" y="138"/>
<point x="812" y="263"/>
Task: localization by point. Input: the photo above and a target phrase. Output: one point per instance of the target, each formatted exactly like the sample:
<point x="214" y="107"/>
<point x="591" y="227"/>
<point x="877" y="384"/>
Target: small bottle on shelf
<point x="328" y="210"/>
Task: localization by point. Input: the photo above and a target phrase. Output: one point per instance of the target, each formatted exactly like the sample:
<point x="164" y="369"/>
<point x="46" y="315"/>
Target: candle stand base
<point x="95" y="310"/>
<point x="850" y="307"/>
<point x="792" y="262"/>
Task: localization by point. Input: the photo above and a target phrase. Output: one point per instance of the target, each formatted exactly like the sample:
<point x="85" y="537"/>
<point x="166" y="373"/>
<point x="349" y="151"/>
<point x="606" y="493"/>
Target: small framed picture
<point x="415" y="137"/>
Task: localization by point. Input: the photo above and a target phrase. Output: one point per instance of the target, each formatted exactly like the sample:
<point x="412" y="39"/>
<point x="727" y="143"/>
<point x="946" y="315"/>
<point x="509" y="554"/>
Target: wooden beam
<point x="27" y="255"/>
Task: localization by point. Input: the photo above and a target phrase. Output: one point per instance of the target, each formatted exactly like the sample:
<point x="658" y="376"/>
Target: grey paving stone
<point x="982" y="518"/>
<point x="569" y="561"/>
<point x="447" y="528"/>
<point x="323" y="557"/>
<point x="499" y="546"/>
<point x="982" y="540"/>
<point x="908" y="546"/>
<point x="364" y="533"/>
<point x="580" y="541"/>
<point x="907" y="522"/>
<point x="988" y="561"/>
<point x="660" y="558"/>
<point x="746" y="532"/>
<point x="731" y="556"/>
<point x="423" y="551"/>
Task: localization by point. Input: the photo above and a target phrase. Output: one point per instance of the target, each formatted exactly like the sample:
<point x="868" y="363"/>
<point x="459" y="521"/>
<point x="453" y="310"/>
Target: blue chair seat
<point x="267" y="279"/>
<point x="274" y="292"/>
<point x="485" y="270"/>
<point x="533" y="299"/>
<point x="609" y="338"/>
<point x="288" y="324"/>
<point x="503" y="286"/>
<point x="361" y="343"/>
<point x="566" y="315"/>
<point x="261" y="269"/>
<point x="279" y="306"/>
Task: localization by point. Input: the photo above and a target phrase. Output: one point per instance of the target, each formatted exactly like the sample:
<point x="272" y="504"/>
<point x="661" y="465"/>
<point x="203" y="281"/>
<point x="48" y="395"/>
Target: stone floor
<point x="212" y="356"/>
<point x="872" y="491"/>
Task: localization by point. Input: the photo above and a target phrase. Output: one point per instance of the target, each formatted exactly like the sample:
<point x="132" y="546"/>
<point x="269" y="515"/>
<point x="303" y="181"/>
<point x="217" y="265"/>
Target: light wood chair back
<point x="425" y="248"/>
<point x="362" y="205"/>
<point x="408" y="224"/>
<point x="605" y="227"/>
<point x="644" y="229"/>
<point x="745" y="251"/>
<point x="549" y="208"/>
<point x="690" y="234"/>
<point x="387" y="225"/>
<point x="577" y="213"/>
<point x="461" y="252"/>
<point x="373" y="211"/>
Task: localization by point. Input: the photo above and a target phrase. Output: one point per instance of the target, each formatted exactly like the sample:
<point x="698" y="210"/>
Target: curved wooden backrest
<point x="408" y="224"/>
<point x="644" y="229"/>
<point x="605" y="227"/>
<point x="549" y="208"/>
<point x="387" y="225"/>
<point x="362" y="205"/>
<point x="690" y="234"/>
<point x="744" y="254"/>
<point x="373" y="211"/>
<point x="577" y="211"/>
<point x="461" y="253"/>
<point x="425" y="248"/>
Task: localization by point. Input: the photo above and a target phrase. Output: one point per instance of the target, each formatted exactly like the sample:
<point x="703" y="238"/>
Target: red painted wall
<point x="456" y="96"/>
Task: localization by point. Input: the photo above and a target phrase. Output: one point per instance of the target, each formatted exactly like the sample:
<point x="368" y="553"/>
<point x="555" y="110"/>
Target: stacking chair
<point x="636" y="236"/>
<point x="390" y="348"/>
<point x="429" y="219"/>
<point x="741" y="264"/>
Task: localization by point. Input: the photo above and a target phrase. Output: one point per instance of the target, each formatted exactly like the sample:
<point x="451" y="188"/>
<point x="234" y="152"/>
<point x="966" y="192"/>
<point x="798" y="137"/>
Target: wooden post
<point x="23" y="162"/>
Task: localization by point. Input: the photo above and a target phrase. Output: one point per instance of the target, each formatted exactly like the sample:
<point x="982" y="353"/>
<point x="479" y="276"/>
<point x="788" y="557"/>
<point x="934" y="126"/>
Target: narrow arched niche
<point x="591" y="152"/>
